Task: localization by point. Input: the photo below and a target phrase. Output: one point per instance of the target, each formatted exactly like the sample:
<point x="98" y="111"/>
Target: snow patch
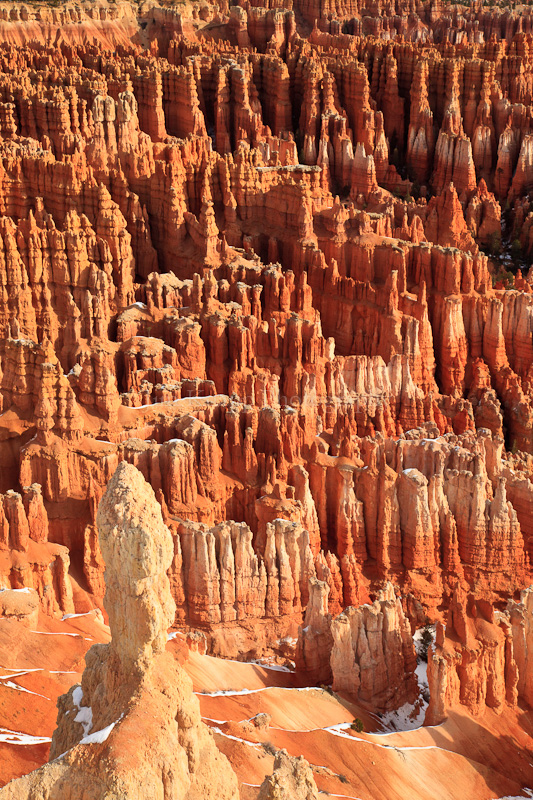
<point x="235" y="738"/>
<point x="238" y="692"/>
<point x="16" y="737"/>
<point x="77" y="696"/>
<point x="256" y="663"/>
<point x="272" y="667"/>
<point x="11" y="685"/>
<point x="85" y="718"/>
<point x="406" y="718"/>
<point x="85" y="713"/>
<point x="98" y="737"/>
<point x="16" y="673"/>
<point x="410" y="717"/>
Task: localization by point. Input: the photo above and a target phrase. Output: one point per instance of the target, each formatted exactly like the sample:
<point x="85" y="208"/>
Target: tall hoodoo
<point x="133" y="727"/>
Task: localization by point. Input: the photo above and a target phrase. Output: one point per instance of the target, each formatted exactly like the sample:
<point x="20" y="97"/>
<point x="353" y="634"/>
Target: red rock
<point x="373" y="654"/>
<point x="480" y="658"/>
<point x="214" y="266"/>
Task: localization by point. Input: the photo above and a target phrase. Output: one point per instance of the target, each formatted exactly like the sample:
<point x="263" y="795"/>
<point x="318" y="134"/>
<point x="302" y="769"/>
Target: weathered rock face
<point x="292" y="779"/>
<point x="367" y="650"/>
<point x="28" y="560"/>
<point x="133" y="727"/>
<point x="315" y="640"/>
<point x="373" y="655"/>
<point x="482" y="658"/>
<point x="20" y="604"/>
<point x="521" y="618"/>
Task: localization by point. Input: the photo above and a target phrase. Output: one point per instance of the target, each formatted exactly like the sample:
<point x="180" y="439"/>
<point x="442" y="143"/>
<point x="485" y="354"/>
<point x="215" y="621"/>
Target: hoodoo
<point x="132" y="728"/>
<point x="266" y="399"/>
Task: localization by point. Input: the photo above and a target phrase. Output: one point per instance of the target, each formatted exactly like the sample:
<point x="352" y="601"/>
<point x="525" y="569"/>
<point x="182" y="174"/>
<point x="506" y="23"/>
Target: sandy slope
<point x="483" y="759"/>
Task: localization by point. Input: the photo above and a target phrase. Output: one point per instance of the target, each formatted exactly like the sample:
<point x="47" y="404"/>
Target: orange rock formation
<point x="261" y="253"/>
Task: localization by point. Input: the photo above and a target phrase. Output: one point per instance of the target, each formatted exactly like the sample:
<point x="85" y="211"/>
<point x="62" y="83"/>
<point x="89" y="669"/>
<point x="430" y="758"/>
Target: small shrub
<point x="426" y="640"/>
<point x="269" y="748"/>
<point x="357" y="725"/>
<point x="495" y="244"/>
<point x="503" y="276"/>
<point x="343" y="778"/>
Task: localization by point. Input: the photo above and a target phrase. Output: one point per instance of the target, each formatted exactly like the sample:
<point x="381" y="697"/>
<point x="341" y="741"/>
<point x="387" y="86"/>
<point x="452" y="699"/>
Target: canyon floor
<point x="486" y="758"/>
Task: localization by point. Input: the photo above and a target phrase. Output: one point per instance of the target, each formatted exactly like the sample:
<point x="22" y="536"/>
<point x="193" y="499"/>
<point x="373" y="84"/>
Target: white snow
<point x="272" y="667"/>
<point x="410" y="717"/>
<point x="235" y="738"/>
<point x="11" y="685"/>
<point x="16" y="737"/>
<point x="417" y="637"/>
<point x="77" y="696"/>
<point x="348" y="796"/>
<point x="406" y="718"/>
<point x="16" y="673"/>
<point x="527" y="796"/>
<point x="233" y="692"/>
<point x="236" y="693"/>
<point x="422" y="675"/>
<point x="57" y="633"/>
<point x="98" y="737"/>
<point x="85" y="717"/>
<point x="254" y="662"/>
<point x="85" y="713"/>
<point x="62" y="672"/>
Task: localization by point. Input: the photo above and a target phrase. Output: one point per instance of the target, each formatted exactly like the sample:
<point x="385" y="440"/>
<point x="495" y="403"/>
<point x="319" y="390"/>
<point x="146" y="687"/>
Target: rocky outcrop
<point x="481" y="657"/>
<point x="373" y="654"/>
<point x="134" y="698"/>
<point x="20" y="604"/>
<point x="315" y="640"/>
<point x="521" y="618"/>
<point x="28" y="560"/>
<point x="366" y="650"/>
<point x="292" y="779"/>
